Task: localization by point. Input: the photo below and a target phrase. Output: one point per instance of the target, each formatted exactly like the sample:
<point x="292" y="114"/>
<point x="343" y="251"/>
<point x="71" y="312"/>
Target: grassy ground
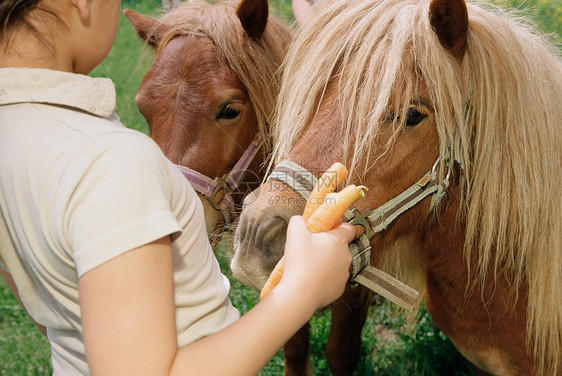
<point x="388" y="347"/>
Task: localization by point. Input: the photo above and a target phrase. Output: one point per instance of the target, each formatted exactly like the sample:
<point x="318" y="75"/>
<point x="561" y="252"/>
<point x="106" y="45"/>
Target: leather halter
<point x="218" y="191"/>
<point x="373" y="221"/>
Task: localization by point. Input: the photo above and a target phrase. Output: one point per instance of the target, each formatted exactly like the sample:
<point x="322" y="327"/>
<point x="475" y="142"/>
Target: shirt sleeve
<point x="120" y="198"/>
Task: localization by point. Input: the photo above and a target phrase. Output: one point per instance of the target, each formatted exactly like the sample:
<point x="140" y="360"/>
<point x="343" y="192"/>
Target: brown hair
<point x="14" y="12"/>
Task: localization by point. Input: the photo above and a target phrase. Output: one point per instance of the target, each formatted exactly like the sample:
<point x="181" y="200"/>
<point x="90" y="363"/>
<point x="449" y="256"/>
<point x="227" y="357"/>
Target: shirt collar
<point x="35" y="85"/>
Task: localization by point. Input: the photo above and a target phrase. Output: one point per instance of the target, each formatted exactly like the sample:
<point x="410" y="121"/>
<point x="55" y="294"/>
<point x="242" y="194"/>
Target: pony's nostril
<point x="272" y="239"/>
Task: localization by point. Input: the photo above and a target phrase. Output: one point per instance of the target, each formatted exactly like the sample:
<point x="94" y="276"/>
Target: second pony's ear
<point x="253" y="17"/>
<point x="149" y="29"/>
<point x="449" y="18"/>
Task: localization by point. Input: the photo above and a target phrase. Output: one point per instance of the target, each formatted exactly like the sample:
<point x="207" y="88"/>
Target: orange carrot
<point x="273" y="279"/>
<point x="326" y="217"/>
<point x="326" y="184"/>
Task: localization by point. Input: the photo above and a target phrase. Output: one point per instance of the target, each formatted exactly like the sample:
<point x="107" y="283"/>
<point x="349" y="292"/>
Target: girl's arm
<point x="128" y="310"/>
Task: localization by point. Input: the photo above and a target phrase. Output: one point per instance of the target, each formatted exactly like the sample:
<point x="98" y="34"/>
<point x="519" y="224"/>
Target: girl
<point x="102" y="240"/>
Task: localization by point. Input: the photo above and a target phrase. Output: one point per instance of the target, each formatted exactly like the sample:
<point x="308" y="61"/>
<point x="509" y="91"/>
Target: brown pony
<point x="432" y="96"/>
<point x="210" y="92"/>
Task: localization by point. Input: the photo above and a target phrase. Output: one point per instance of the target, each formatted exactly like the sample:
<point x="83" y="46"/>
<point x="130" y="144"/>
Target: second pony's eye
<point x="414" y="117"/>
<point x="230" y="111"/>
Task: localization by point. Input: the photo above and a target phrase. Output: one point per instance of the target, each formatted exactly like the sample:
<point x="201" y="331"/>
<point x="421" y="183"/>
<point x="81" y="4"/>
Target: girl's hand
<point x="317" y="265"/>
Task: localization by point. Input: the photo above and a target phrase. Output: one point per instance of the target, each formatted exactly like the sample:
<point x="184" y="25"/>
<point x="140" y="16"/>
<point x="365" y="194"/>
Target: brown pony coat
<point x="496" y="113"/>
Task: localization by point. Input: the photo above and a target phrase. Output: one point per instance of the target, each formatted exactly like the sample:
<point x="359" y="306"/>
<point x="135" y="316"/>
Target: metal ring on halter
<point x="360" y="219"/>
<point x="442" y="185"/>
<point x="222" y="185"/>
<point x="449" y="167"/>
<point x="434" y="168"/>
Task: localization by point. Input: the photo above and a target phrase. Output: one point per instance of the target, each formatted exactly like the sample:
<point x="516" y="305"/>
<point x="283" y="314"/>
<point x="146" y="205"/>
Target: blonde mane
<point x="499" y="115"/>
<point x="256" y="63"/>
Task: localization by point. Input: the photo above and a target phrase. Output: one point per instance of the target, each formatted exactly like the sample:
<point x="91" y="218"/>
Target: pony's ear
<point x="149" y="29"/>
<point x="253" y="17"/>
<point x="449" y="18"/>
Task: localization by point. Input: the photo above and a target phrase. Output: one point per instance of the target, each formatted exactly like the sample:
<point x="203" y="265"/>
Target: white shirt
<point x="77" y="189"/>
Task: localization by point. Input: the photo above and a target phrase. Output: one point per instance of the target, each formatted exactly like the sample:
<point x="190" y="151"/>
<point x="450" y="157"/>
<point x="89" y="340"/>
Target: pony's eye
<point x="230" y="111"/>
<point x="414" y="117"/>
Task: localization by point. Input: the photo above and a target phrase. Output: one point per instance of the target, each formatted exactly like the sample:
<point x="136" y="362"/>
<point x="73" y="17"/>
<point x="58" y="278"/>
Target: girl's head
<point x="70" y="35"/>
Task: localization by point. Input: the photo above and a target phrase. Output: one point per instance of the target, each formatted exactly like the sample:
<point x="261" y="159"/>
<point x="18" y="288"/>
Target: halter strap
<point x="378" y="219"/>
<point x="298" y="178"/>
<point x="373" y="221"/>
<point x="218" y="191"/>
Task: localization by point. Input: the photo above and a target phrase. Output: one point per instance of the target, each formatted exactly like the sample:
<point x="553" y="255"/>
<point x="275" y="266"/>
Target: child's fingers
<point x="296" y="224"/>
<point x="297" y="227"/>
<point x="344" y="231"/>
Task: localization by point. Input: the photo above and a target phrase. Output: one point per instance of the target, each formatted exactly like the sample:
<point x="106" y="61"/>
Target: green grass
<point x="389" y="349"/>
<point x="23" y="349"/>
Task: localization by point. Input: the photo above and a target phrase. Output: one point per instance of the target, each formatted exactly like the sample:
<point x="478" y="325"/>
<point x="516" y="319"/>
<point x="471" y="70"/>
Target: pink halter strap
<point x="218" y="191"/>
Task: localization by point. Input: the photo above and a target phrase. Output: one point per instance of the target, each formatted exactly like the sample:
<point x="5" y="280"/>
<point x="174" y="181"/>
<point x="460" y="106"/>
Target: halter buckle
<point x="220" y="191"/>
<point x="360" y="219"/>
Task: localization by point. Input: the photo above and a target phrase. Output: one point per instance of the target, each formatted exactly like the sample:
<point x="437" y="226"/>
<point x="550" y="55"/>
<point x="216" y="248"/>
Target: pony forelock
<point x="497" y="114"/>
